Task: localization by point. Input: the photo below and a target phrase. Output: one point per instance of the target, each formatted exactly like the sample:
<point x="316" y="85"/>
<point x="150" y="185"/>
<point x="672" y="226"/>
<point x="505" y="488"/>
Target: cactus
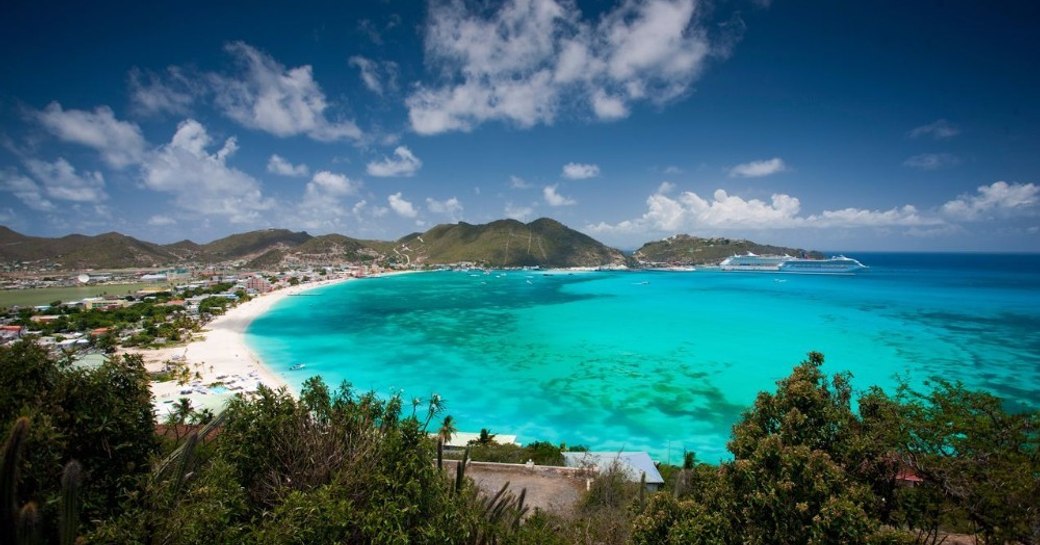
<point x="29" y="525"/>
<point x="460" y="471"/>
<point x="70" y="481"/>
<point x="642" y="490"/>
<point x="9" y="480"/>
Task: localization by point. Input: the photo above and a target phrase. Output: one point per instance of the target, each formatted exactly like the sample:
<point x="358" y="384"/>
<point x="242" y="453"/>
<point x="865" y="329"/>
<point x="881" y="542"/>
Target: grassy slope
<point x="700" y="251"/>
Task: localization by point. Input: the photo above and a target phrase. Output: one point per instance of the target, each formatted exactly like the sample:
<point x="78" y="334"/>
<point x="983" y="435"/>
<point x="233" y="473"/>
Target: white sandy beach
<point x="221" y="355"/>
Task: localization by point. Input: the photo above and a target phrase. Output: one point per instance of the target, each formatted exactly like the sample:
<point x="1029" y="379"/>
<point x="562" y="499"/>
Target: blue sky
<point x="834" y="125"/>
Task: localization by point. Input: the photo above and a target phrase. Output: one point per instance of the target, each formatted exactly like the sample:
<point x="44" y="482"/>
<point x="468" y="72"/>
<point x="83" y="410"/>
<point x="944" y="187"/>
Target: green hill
<point x="109" y="250"/>
<point x="253" y="243"/>
<point x="690" y="250"/>
<point x="506" y="243"/>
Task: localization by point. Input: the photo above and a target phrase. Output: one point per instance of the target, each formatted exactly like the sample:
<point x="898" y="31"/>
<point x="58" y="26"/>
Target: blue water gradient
<point x="660" y="361"/>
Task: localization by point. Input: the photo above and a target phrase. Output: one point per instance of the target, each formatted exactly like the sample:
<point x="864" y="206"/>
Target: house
<point x="11" y="332"/>
<point x="258" y="284"/>
<point x="632" y="464"/>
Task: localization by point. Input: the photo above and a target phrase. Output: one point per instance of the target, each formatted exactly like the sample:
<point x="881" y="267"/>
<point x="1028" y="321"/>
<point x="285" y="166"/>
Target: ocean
<point x="660" y="361"/>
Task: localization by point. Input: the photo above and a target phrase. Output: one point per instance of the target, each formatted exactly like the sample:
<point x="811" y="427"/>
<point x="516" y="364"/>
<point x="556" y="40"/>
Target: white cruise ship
<point x="754" y="262"/>
<point x="787" y="264"/>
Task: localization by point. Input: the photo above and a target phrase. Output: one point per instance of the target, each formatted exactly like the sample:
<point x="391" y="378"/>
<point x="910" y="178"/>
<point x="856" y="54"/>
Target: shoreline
<point x="221" y="355"/>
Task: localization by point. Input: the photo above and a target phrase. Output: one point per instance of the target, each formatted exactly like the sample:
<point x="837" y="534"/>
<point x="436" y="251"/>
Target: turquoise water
<point x="659" y="361"/>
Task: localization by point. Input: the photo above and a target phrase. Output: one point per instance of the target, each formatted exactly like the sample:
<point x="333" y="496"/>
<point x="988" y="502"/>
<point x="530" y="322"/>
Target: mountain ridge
<point x="544" y="242"/>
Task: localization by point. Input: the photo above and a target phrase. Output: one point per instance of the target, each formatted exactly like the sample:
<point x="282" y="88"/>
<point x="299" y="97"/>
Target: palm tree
<point x="486" y="437"/>
<point x="182" y="409"/>
<point x="447" y="429"/>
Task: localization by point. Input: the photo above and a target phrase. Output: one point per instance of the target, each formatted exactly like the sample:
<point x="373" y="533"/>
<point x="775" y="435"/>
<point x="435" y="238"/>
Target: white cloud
<point x="374" y="74"/>
<point x="151" y="95"/>
<point x="665" y="188"/>
<point x="450" y="207"/>
<point x="403" y="163"/>
<point x="940" y="129"/>
<point x="332" y="185"/>
<point x="271" y="98"/>
<point x="401" y="206"/>
<point x="758" y="169"/>
<point x="278" y="165"/>
<point x="516" y="182"/>
<point x="931" y="161"/>
<point x="25" y="189"/>
<point x="120" y="143"/>
<point x="554" y="198"/>
<point x="518" y="212"/>
<point x="691" y="212"/>
<point x="523" y="60"/>
<point x="608" y="107"/>
<point x="673" y="170"/>
<point x="61" y="181"/>
<point x="996" y="198"/>
<point x="321" y="205"/>
<point x="201" y="182"/>
<point x="580" y="171"/>
<point x="160" y="220"/>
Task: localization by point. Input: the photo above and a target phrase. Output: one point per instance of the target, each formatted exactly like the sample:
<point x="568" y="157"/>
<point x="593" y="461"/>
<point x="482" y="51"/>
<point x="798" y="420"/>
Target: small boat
<point x="297" y="366"/>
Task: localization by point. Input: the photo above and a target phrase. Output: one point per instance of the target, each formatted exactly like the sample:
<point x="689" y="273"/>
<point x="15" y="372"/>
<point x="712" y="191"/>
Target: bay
<point x="660" y="361"/>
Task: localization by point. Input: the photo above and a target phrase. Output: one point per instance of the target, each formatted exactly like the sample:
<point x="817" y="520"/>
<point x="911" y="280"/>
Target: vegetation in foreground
<point x="82" y="461"/>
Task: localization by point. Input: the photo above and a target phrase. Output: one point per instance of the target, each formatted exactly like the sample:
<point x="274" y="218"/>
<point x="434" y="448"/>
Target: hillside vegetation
<point x="504" y="243"/>
<point x="82" y="463"/>
<point x="509" y="243"/>
<point x="690" y="250"/>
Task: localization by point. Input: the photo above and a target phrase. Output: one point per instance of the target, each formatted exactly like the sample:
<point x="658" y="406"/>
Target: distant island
<point x="504" y="243"/>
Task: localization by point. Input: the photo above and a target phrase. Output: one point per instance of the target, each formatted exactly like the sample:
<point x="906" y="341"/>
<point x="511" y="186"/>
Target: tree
<point x="486" y="438"/>
<point x="447" y="429"/>
<point x="100" y="417"/>
<point x="968" y="448"/>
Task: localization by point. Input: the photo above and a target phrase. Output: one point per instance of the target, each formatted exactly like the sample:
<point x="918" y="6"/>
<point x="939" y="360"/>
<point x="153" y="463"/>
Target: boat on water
<point x="297" y="366"/>
<point x="754" y="262"/>
<point x="787" y="264"/>
<point x="835" y="265"/>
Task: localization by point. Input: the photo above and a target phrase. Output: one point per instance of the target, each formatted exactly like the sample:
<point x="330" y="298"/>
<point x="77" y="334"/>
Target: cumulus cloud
<point x="202" y="182"/>
<point x="689" y="212"/>
<point x="580" y="171"/>
<point x="280" y="101"/>
<point x="279" y="165"/>
<point x="25" y="189"/>
<point x="939" y="129"/>
<point x="151" y="94"/>
<point x="322" y="199"/>
<point x="120" y="143"/>
<point x="378" y="77"/>
<point x="403" y="163"/>
<point x="554" y="198"/>
<point x="331" y="184"/>
<point x="518" y="212"/>
<point x="931" y="161"/>
<point x="401" y="206"/>
<point x="449" y="207"/>
<point x="521" y="61"/>
<point x="996" y="198"/>
<point x="758" y="169"/>
<point x="61" y="181"/>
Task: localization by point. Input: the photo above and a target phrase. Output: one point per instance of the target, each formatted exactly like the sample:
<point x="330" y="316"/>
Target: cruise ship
<point x="754" y="262"/>
<point x="787" y="264"/>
